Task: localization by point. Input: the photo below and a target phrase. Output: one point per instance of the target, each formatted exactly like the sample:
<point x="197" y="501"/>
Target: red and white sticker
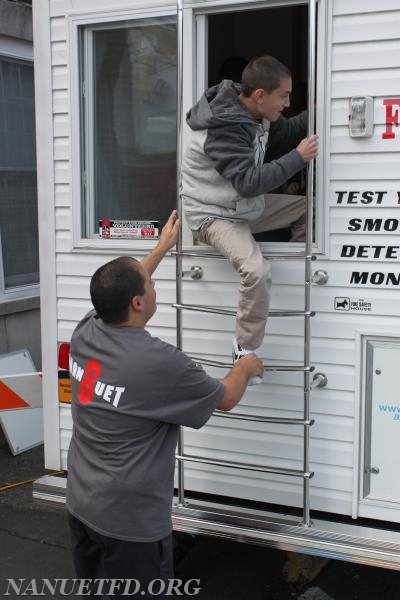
<point x="134" y="230"/>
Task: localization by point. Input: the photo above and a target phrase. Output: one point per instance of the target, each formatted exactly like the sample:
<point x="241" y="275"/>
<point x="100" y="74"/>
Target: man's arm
<point x="231" y="149"/>
<point x="285" y="134"/>
<point x="235" y="382"/>
<point x="168" y="239"/>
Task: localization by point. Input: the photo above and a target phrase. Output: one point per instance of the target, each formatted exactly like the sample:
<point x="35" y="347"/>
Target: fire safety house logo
<point x="342" y="303"/>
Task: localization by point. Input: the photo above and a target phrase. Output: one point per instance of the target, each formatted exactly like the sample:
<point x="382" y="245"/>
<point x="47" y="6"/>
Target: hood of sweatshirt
<point x="218" y="106"/>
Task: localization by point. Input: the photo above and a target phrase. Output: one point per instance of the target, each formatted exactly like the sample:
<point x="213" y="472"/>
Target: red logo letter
<point x="392" y="118"/>
<point x="86" y="386"/>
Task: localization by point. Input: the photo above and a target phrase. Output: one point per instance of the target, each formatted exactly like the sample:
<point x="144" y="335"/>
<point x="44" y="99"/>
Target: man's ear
<point x="258" y="95"/>
<point x="136" y="303"/>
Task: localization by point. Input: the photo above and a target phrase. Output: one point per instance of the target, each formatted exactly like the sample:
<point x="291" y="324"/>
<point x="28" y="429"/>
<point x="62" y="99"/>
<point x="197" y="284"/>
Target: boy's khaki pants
<point x="235" y="241"/>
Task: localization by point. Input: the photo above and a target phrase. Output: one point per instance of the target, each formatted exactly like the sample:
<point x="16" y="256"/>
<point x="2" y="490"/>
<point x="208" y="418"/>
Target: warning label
<point x="347" y="304"/>
<point x="64" y="387"/>
<point x="134" y="230"/>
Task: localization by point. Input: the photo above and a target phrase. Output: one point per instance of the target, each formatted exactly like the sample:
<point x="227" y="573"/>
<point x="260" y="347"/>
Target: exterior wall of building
<point x="16" y="20"/>
<point x="19" y="317"/>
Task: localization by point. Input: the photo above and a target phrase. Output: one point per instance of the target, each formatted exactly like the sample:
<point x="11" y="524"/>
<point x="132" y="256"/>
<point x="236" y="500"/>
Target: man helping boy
<point x="225" y="182"/>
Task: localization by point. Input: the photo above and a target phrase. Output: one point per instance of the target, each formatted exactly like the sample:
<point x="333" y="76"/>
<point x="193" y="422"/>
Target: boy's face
<point x="271" y="105"/>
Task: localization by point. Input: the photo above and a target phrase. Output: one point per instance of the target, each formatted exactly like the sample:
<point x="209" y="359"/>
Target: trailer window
<point x="129" y="122"/>
<point x="225" y="42"/>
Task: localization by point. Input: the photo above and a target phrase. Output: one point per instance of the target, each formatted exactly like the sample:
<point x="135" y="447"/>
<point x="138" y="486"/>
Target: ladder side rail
<point x="312" y="12"/>
<point x="178" y="262"/>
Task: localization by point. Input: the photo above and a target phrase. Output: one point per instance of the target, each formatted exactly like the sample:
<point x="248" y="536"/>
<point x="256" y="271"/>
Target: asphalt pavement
<point x="35" y="545"/>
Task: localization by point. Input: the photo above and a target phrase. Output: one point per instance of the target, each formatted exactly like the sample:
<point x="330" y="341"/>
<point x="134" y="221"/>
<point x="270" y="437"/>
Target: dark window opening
<point x="235" y="38"/>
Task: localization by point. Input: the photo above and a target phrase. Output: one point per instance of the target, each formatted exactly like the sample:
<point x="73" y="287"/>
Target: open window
<point x="227" y="40"/>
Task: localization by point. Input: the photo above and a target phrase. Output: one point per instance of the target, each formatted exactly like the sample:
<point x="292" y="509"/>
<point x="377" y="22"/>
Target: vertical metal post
<point x="308" y="253"/>
<point x="178" y="274"/>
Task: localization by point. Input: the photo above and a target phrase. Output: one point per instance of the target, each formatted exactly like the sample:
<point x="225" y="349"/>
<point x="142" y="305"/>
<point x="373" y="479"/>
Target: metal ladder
<point x="306" y="422"/>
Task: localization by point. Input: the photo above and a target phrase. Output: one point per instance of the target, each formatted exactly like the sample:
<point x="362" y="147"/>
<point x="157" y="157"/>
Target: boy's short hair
<point x="265" y="72"/>
<point x="113" y="286"/>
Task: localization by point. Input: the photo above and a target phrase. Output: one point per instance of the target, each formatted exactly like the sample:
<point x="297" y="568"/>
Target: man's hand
<point x="308" y="148"/>
<point x="168" y="238"/>
<point x="251" y="365"/>
<point x="236" y="381"/>
<point x="293" y="188"/>
<point x="170" y="232"/>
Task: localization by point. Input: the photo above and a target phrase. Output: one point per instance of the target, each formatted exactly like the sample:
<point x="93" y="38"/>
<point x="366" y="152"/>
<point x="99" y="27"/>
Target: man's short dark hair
<point x="265" y="72"/>
<point x="112" y="287"/>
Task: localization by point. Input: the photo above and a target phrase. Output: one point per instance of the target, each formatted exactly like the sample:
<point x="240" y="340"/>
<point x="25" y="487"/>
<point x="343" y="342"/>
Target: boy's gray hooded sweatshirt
<point x="223" y="170"/>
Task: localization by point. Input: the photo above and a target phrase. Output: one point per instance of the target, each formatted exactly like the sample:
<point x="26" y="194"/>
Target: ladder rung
<point x="225" y="365"/>
<point x="244" y="466"/>
<point x="262" y="419"/>
<point x="232" y="312"/>
<point x="288" y="256"/>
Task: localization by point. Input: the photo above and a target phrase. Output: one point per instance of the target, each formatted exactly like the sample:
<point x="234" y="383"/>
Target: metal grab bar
<point x="244" y="466"/>
<point x="289" y="256"/>
<point x="261" y="419"/>
<point x="232" y="312"/>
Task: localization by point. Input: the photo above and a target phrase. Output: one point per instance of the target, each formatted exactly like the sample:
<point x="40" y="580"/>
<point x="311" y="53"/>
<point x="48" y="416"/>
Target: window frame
<point x="19" y="50"/>
<point x="200" y="60"/>
<point x="76" y="22"/>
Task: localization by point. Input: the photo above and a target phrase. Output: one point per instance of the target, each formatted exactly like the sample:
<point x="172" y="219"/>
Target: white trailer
<point x="307" y="470"/>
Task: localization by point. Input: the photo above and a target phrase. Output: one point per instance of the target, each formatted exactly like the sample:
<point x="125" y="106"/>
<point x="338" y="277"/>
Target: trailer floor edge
<point x="340" y="541"/>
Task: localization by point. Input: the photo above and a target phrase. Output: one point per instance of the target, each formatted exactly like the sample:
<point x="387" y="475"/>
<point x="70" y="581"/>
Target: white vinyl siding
<point x="363" y="61"/>
<point x="365" y="53"/>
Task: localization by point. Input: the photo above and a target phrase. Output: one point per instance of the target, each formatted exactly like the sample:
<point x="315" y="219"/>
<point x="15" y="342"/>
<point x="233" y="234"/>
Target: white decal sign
<point x="133" y="230"/>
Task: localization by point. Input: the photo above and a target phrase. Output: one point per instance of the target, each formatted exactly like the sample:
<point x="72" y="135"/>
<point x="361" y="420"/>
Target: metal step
<point x="232" y="312"/>
<point x="50" y="489"/>
<point x="228" y="365"/>
<point x="244" y="466"/>
<point x="287" y="256"/>
<point x="262" y="419"/>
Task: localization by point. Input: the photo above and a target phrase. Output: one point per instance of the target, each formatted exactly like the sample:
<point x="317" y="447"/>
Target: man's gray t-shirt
<point x="131" y="392"/>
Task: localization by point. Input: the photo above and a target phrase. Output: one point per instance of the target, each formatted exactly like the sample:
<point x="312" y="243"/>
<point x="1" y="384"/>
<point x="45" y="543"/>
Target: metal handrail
<point x="244" y="466"/>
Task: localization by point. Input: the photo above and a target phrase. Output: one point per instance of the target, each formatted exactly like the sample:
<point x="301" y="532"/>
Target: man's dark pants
<point x="98" y="556"/>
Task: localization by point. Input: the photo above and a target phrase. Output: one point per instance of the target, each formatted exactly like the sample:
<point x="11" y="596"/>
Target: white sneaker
<point x="237" y="353"/>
